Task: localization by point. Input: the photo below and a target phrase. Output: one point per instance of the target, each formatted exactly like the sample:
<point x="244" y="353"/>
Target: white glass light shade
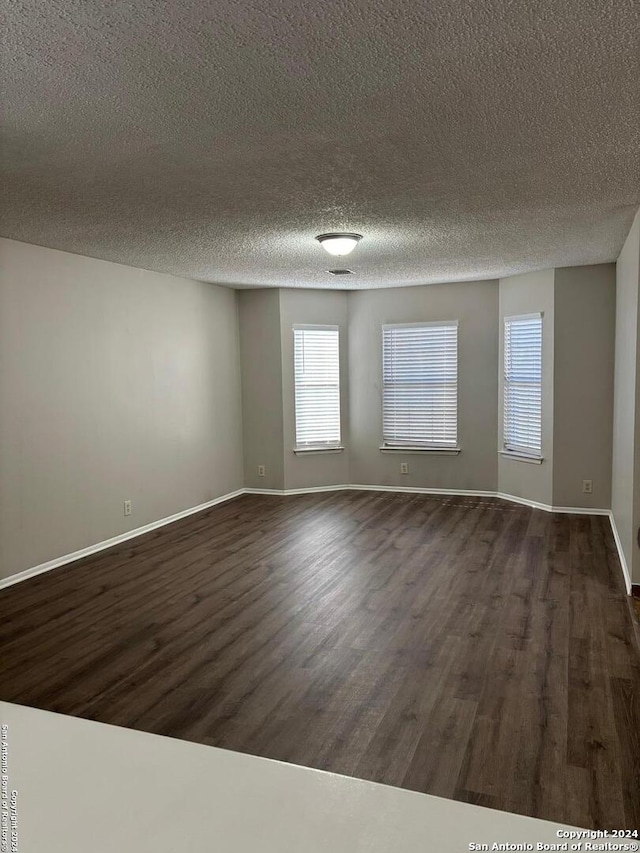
<point x="339" y="244"/>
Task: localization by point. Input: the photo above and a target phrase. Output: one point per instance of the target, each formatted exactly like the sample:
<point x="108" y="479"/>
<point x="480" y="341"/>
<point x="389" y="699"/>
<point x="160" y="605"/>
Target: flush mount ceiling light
<point x="339" y="244"/>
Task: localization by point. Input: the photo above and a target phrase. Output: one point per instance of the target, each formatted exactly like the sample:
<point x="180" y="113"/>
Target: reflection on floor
<point x="86" y="787"/>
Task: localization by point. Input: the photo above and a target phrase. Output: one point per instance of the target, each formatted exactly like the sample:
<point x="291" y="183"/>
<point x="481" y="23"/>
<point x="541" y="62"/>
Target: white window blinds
<point x="420" y="385"/>
<point x="317" y="386"/>
<point x="522" y="421"/>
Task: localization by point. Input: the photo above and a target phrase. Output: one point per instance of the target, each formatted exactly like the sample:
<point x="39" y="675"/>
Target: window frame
<point x="411" y="446"/>
<point x="316" y="446"/>
<point x="525" y="453"/>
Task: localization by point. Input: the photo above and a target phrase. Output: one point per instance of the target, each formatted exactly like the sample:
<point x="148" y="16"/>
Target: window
<point x="522" y="419"/>
<point x="317" y="386"/>
<point x="420" y="385"/>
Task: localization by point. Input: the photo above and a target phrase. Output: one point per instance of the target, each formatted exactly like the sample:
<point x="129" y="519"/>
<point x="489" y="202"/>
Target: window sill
<point x="305" y="450"/>
<point x="434" y="451"/>
<point x="522" y="457"/>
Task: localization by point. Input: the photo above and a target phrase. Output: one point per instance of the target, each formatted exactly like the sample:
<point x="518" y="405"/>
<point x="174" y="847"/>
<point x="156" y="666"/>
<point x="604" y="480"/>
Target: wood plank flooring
<point x="468" y="648"/>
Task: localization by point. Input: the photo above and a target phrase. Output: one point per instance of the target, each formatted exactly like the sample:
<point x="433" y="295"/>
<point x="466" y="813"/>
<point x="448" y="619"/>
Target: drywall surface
<point x="324" y="308"/>
<point x="528" y="294"/>
<point x="584" y="346"/>
<point x="626" y="408"/>
<point x="261" y="359"/>
<point x="475" y="306"/>
<point x="115" y="384"/>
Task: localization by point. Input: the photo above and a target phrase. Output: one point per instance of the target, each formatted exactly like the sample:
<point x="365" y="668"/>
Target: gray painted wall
<point x="115" y="383"/>
<point x="267" y="317"/>
<point x="261" y="358"/>
<point x="527" y="294"/>
<point x="584" y="348"/>
<point x="626" y="407"/>
<point x="475" y="305"/>
<point x="319" y="307"/>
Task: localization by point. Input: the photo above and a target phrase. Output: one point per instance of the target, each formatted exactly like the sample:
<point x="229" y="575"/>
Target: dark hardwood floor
<point x="469" y="648"/>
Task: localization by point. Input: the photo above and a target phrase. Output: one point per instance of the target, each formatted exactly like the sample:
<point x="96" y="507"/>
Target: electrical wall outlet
<point x="261" y="470"/>
<point x="404" y="467"/>
<point x="127" y="507"/>
<point x="587" y="487"/>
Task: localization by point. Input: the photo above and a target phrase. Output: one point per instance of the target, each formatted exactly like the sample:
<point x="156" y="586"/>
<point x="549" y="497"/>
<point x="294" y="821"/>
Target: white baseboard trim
<point x="369" y="488"/>
<point x="580" y="510"/>
<point x="417" y="490"/>
<point x="306" y="491"/>
<point x="623" y="561"/>
<point x="147" y="528"/>
<point x="573" y="510"/>
<point x="114" y="540"/>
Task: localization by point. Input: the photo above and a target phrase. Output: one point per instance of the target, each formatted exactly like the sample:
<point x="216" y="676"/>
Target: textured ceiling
<point x="214" y="140"/>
